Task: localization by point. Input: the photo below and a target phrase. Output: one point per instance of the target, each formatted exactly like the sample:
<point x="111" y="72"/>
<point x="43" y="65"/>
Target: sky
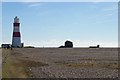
<point x="50" y="24"/>
<point x="60" y="0"/>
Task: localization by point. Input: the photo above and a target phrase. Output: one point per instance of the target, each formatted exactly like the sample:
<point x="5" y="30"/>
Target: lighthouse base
<point x="16" y="42"/>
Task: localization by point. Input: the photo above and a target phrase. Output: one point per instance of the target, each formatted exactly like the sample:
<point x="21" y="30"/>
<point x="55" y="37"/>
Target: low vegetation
<point x="13" y="67"/>
<point x="89" y="64"/>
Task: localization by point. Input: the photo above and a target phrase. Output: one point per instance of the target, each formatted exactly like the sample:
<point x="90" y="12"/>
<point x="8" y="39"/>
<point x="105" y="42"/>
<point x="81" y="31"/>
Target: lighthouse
<point x="16" y="38"/>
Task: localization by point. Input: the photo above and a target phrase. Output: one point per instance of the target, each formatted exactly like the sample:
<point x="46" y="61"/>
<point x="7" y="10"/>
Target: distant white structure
<point x="16" y="38"/>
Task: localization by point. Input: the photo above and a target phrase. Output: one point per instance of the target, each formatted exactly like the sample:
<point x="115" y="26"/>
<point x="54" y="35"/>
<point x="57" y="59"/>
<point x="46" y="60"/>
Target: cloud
<point x="111" y="8"/>
<point x="87" y="43"/>
<point x="109" y="14"/>
<point x="34" y="4"/>
<point x="106" y="8"/>
<point x="77" y="43"/>
<point x="45" y="43"/>
<point x="38" y="7"/>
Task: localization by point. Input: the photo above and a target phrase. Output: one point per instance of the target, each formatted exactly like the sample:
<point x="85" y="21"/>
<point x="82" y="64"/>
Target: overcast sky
<point x="50" y="24"/>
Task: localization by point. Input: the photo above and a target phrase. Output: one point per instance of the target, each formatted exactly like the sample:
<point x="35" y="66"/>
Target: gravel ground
<point x="72" y="63"/>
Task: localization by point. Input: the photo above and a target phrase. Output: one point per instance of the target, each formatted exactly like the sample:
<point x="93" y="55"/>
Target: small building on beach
<point x="6" y="45"/>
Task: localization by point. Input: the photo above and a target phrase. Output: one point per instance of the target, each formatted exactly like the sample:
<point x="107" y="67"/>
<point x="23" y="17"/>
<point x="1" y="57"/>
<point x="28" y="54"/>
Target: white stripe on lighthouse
<point x="16" y="29"/>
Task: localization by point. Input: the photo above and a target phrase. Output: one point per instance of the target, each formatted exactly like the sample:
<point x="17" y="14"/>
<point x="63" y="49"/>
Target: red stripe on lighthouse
<point x="16" y="34"/>
<point x="16" y="24"/>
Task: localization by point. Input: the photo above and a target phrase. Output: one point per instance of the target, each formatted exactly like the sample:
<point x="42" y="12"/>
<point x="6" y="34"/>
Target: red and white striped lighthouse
<point x="16" y="39"/>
